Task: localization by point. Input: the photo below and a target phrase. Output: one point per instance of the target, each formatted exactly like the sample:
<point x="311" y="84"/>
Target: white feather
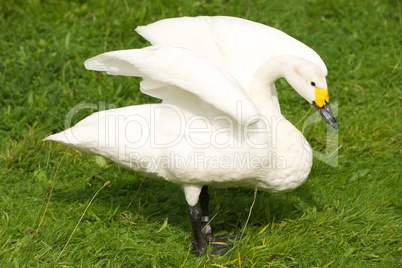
<point x="168" y="71"/>
<point x="238" y="45"/>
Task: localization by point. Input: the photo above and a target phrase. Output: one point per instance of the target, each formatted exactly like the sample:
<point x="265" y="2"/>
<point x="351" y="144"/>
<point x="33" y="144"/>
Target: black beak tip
<point x="326" y="113"/>
<point x="334" y="124"/>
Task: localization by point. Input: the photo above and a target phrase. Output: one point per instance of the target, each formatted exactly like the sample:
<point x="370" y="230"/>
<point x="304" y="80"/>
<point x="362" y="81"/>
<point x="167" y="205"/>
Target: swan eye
<point x="313" y="84"/>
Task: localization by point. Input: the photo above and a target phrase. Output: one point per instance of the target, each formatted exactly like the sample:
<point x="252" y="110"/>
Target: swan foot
<point x="222" y="244"/>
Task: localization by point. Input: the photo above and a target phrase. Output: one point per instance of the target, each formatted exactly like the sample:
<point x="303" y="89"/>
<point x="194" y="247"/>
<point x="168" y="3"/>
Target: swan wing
<point x="180" y="77"/>
<point x="238" y="45"/>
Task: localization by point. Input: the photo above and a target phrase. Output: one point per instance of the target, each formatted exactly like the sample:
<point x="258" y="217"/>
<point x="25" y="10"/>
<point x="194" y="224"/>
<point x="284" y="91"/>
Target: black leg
<point x="200" y="244"/>
<point x="202" y="230"/>
<point x="204" y="202"/>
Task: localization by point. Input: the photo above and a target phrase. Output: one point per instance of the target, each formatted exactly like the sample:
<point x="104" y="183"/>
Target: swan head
<point x="309" y="81"/>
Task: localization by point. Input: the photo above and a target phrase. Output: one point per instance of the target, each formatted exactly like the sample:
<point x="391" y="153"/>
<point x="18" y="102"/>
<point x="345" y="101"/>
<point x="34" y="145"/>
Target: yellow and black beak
<point x="321" y="103"/>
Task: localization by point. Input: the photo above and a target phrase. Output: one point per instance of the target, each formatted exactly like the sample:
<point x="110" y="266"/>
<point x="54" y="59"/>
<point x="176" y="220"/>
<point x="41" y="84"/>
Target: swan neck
<point x="263" y="91"/>
<point x="270" y="71"/>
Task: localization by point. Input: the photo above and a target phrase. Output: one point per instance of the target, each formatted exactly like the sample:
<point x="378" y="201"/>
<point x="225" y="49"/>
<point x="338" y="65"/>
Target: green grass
<point x="348" y="215"/>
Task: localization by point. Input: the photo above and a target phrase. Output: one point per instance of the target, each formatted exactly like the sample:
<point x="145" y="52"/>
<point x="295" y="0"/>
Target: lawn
<point x="55" y="209"/>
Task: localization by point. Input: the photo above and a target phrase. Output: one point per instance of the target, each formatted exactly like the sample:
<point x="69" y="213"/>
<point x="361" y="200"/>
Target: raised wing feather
<point x="240" y="46"/>
<point x="179" y="75"/>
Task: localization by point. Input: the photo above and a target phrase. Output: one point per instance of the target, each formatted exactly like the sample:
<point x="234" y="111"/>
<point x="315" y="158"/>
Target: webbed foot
<point x="222" y="244"/>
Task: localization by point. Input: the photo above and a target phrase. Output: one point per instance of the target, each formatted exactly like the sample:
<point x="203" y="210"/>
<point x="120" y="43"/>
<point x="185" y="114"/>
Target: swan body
<point x="220" y="156"/>
<point x="219" y="122"/>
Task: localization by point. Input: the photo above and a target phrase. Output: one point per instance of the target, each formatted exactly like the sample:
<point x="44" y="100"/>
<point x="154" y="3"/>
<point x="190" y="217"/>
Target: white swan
<point x="220" y="122"/>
